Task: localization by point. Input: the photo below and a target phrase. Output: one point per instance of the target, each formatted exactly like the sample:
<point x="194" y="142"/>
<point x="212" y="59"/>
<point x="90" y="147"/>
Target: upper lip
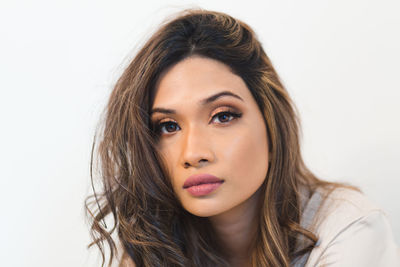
<point x="203" y="178"/>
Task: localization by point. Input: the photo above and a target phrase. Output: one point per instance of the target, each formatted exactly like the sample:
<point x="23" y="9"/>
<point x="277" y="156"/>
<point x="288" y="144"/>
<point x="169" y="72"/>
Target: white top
<point x="352" y="231"/>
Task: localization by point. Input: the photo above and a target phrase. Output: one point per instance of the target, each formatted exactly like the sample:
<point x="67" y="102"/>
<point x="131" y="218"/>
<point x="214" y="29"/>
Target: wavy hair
<point x="152" y="226"/>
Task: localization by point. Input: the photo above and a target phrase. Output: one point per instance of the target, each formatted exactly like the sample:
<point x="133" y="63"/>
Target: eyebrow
<point x="202" y="102"/>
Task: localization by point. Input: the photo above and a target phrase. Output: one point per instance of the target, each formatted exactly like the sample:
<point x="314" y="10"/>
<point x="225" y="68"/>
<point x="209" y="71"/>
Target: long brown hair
<point x="151" y="224"/>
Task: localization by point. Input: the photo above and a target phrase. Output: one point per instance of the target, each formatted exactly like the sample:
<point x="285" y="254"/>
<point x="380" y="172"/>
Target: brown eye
<point x="226" y="116"/>
<point x="167" y="127"/>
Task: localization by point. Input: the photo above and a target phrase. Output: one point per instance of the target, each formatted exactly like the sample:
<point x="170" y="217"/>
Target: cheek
<point x="247" y="155"/>
<point x="169" y="155"/>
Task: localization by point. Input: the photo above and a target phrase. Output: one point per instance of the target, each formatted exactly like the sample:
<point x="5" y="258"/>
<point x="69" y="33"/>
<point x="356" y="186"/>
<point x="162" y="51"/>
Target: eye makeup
<point x="223" y="115"/>
<point x="229" y="112"/>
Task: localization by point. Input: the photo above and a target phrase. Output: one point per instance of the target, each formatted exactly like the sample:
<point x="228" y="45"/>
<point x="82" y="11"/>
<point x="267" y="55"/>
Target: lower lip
<point x="203" y="189"/>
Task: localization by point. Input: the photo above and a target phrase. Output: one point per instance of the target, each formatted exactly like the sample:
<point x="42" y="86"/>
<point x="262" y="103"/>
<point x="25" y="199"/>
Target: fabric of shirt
<point x="351" y="230"/>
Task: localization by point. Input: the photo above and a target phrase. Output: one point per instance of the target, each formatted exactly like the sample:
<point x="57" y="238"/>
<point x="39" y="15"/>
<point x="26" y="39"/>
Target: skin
<point x="196" y="141"/>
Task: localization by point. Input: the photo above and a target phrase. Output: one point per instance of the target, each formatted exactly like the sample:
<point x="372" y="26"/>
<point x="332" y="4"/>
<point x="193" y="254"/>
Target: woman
<point x="201" y="163"/>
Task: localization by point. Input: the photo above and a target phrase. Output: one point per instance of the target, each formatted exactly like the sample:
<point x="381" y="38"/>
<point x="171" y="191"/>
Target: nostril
<point x="187" y="164"/>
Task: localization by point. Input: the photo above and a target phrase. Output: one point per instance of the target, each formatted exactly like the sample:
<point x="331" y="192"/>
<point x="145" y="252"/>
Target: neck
<point x="236" y="230"/>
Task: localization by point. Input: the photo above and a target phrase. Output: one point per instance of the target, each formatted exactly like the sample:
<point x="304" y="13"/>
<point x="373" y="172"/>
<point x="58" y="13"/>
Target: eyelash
<point x="234" y="115"/>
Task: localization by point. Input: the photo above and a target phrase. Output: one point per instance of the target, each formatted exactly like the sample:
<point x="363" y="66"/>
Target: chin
<point x="204" y="214"/>
<point x="203" y="210"/>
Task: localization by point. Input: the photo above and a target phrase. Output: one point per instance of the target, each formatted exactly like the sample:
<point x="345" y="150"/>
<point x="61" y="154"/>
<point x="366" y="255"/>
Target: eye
<point x="226" y="116"/>
<point x="167" y="127"/>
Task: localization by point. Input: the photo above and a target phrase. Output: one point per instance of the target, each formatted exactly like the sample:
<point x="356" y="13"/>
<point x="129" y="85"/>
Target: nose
<point x="196" y="148"/>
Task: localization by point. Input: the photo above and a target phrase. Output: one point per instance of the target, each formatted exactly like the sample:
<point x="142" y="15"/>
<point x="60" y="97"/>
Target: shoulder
<point x="351" y="229"/>
<point x="337" y="207"/>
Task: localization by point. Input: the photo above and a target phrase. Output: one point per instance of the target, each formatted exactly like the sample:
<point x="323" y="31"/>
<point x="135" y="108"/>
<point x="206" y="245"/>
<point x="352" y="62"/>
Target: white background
<point x="59" y="60"/>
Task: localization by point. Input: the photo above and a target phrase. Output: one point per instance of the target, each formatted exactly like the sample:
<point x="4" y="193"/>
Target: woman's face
<point x="209" y="123"/>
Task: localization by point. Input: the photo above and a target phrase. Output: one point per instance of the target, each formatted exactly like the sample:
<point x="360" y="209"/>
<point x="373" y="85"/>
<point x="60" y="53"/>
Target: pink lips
<point x="202" y="184"/>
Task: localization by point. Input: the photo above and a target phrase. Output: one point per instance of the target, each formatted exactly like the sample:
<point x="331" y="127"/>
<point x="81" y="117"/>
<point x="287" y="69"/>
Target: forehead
<point x="196" y="78"/>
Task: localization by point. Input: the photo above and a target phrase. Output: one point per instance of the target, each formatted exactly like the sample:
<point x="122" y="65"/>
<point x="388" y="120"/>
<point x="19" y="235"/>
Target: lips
<point x="202" y="184"/>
